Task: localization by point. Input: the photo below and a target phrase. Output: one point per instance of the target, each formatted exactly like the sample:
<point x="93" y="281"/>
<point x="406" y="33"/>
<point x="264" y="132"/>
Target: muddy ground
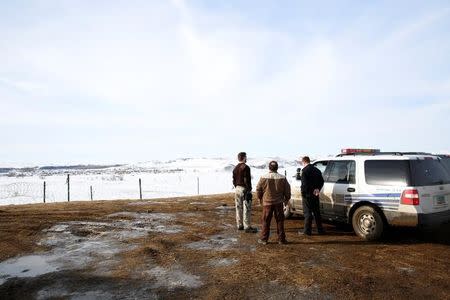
<point x="188" y="248"/>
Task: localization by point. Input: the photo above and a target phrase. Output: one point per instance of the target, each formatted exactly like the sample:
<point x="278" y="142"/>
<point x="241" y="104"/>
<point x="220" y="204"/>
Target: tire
<point x="287" y="211"/>
<point x="367" y="223"/>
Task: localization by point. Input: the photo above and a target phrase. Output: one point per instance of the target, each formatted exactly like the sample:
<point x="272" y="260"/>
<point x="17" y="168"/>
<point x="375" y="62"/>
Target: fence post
<point x="140" y="189"/>
<point x="44" y="190"/>
<point x="198" y="186"/>
<point x="68" y="188"/>
<point x="92" y="197"/>
<point x="285" y="173"/>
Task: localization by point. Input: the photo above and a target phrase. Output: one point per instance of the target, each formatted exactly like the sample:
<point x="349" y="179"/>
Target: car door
<point x="340" y="180"/>
<point x="296" y="196"/>
<point x="322" y="166"/>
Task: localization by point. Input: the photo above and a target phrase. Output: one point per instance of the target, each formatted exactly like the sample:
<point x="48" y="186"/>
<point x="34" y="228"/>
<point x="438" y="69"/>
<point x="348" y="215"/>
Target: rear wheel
<point x="287" y="211"/>
<point x="367" y="223"/>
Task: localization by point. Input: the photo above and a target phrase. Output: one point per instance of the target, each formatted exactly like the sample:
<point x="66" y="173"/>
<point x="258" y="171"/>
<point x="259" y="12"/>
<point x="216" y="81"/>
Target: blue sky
<point x="126" y="81"/>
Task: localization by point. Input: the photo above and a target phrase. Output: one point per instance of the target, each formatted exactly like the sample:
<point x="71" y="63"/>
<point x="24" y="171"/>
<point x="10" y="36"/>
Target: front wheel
<point x="287" y="211"/>
<point x="367" y="223"/>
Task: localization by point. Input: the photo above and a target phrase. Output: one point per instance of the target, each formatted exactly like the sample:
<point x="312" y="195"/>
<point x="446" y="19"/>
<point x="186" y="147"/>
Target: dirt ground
<point x="189" y="248"/>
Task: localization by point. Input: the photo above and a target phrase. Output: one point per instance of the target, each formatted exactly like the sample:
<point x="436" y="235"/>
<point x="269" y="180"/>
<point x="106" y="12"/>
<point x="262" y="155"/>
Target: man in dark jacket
<point x="242" y="181"/>
<point x="312" y="183"/>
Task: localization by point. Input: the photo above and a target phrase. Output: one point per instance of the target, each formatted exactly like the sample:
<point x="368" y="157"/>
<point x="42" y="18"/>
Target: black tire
<point x="368" y="223"/>
<point x="287" y="211"/>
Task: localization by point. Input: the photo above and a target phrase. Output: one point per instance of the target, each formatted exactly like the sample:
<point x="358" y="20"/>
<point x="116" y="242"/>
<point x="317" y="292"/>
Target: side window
<point x="321" y="165"/>
<point x="342" y="171"/>
<point x="387" y="172"/>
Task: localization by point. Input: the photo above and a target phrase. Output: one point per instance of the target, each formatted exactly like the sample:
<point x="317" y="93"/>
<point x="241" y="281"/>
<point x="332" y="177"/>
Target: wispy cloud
<point x="177" y="78"/>
<point x="22" y="85"/>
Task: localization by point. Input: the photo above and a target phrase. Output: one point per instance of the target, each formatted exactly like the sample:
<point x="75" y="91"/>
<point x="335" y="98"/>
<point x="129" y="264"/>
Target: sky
<point x="126" y="81"/>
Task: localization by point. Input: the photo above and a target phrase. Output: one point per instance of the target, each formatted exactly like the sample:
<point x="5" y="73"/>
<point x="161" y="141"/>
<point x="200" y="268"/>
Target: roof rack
<point x="418" y="153"/>
<point x="384" y="153"/>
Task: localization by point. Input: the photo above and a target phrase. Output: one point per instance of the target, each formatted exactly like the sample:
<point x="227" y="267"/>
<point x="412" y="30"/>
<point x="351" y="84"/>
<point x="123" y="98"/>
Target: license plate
<point x="440" y="200"/>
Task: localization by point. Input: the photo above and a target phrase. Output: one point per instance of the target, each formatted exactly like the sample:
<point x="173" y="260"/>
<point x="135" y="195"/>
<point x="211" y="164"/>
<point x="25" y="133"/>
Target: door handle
<point x="351" y="190"/>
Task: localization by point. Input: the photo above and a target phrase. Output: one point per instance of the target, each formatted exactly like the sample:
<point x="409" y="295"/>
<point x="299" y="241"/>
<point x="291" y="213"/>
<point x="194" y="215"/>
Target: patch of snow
<point x="57" y="228"/>
<point x="215" y="242"/>
<point x="91" y="295"/>
<point x="223" y="262"/>
<point x="52" y="292"/>
<point x="147" y="216"/>
<point x="174" y="278"/>
<point x="225" y="208"/>
<point x="406" y="270"/>
<point x="94" y="291"/>
<point x="77" y="244"/>
<point x="202" y="224"/>
<point x="150" y="222"/>
<point x="25" y="266"/>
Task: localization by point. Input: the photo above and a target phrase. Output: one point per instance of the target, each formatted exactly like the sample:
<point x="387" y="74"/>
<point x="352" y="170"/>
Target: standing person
<point x="273" y="191"/>
<point x="312" y="183"/>
<point x="242" y="181"/>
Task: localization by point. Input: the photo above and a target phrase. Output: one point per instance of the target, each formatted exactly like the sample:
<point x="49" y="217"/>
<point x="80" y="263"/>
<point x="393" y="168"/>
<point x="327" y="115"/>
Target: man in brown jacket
<point x="273" y="191"/>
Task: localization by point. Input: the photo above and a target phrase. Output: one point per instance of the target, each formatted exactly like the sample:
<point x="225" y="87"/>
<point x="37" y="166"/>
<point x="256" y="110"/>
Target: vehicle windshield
<point x="429" y="172"/>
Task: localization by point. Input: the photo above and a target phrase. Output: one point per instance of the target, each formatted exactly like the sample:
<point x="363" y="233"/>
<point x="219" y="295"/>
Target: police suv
<point x="371" y="190"/>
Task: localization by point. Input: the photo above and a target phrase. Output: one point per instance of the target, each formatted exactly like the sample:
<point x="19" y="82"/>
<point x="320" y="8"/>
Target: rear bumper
<point x="417" y="220"/>
<point x="434" y="219"/>
<point x="401" y="219"/>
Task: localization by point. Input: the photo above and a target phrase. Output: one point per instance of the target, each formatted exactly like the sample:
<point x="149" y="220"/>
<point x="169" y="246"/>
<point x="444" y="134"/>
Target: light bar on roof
<point x="353" y="150"/>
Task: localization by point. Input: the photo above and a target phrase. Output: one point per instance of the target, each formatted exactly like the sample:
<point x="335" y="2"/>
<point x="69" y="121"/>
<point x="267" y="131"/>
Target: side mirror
<point x="299" y="174"/>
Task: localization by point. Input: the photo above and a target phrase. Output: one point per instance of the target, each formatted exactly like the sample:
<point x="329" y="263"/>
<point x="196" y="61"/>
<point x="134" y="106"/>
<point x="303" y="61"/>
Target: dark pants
<point x="311" y="207"/>
<point x="268" y="211"/>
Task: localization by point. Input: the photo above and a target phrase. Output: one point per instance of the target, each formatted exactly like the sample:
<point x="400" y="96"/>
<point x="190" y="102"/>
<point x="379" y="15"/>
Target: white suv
<point x="372" y="189"/>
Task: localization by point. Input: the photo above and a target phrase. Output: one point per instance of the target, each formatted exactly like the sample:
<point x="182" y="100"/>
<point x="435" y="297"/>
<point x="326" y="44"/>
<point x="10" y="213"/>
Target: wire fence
<point x="80" y="188"/>
<point x="66" y="187"/>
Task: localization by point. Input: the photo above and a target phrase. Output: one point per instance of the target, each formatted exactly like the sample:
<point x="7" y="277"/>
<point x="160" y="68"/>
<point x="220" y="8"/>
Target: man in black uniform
<point x="312" y="183"/>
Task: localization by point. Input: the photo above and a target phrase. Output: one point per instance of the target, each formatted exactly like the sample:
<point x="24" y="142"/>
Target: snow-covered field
<point x="159" y="179"/>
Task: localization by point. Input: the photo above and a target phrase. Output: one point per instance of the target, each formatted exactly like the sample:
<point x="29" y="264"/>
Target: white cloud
<point x="188" y="74"/>
<point x="23" y="85"/>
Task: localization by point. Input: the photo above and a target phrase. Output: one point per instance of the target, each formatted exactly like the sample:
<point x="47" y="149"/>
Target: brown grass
<point x="337" y="265"/>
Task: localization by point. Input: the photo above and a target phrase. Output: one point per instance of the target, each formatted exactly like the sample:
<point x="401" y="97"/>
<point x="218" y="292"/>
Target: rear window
<point x="446" y="162"/>
<point x="387" y="172"/>
<point x="429" y="172"/>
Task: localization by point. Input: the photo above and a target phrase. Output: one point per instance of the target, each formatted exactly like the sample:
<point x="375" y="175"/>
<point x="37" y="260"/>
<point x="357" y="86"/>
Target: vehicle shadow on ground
<point x="329" y="232"/>
<point x="393" y="235"/>
<point x="403" y="235"/>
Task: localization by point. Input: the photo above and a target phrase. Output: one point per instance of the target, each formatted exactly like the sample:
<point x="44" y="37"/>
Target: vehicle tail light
<point x="410" y="197"/>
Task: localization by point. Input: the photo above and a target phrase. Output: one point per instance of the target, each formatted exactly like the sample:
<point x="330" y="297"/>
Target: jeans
<point x="243" y="208"/>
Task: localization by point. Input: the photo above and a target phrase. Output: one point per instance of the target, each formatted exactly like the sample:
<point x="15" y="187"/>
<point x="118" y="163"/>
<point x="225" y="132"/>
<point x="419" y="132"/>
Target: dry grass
<point x="337" y="265"/>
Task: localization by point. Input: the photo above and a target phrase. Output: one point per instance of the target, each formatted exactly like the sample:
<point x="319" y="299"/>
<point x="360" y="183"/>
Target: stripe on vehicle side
<point x="385" y="201"/>
<point x="390" y="195"/>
